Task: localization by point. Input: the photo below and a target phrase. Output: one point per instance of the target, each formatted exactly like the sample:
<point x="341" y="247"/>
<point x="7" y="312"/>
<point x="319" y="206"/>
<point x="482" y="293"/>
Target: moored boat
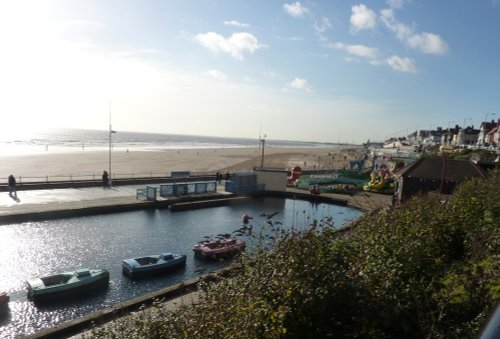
<point x="67" y="283"/>
<point x="219" y="248"/>
<point x="153" y="264"/>
<point x="4" y="301"/>
<point x="4" y="298"/>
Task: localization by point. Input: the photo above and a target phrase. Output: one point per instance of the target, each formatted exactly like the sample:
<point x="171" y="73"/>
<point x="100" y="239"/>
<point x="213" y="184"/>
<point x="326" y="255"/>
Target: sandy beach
<point x="87" y="164"/>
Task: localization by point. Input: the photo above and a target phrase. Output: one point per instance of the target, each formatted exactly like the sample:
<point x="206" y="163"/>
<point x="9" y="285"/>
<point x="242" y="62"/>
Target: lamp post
<point x="486" y="116"/>
<point x="110" y="181"/>
<point x="444" y="151"/>
<point x="263" y="141"/>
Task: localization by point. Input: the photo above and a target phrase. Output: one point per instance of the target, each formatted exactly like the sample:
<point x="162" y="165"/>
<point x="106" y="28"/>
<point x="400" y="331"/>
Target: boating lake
<point x="36" y="249"/>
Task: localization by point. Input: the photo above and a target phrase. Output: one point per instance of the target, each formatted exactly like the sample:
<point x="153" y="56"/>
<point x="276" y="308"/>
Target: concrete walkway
<point x="52" y="199"/>
<point x="33" y="202"/>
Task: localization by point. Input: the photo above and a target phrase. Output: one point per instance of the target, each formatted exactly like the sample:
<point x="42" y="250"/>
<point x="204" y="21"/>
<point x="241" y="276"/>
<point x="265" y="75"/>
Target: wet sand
<point x="86" y="164"/>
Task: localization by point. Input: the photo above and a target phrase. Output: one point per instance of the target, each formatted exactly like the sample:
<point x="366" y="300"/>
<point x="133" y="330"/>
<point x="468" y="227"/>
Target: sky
<point x="326" y="71"/>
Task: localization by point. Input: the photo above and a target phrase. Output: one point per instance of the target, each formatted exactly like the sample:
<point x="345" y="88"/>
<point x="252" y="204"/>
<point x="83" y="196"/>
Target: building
<point x="434" y="175"/>
<point x="261" y="179"/>
<point x="466" y="136"/>
<point x="449" y="135"/>
<point x="484" y="129"/>
<point x="493" y="136"/>
<point x="273" y="179"/>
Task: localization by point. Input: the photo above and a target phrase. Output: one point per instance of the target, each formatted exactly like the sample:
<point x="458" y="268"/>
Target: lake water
<point x="35" y="249"/>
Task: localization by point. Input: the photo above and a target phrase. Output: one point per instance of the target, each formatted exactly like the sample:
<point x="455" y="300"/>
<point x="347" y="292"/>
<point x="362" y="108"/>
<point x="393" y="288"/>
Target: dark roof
<point x="493" y="131"/>
<point x="432" y="168"/>
<point x="489" y="125"/>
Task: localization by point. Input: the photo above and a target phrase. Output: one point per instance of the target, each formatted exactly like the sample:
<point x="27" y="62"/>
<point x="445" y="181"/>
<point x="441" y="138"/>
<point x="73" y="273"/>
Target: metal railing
<point x="91" y="177"/>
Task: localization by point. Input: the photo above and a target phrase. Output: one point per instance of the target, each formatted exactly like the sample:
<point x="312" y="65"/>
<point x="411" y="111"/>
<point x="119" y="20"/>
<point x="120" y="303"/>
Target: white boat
<point x="67" y="283"/>
<point x="153" y="264"/>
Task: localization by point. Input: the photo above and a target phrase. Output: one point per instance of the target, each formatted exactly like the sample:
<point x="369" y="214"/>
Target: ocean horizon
<point x="70" y="140"/>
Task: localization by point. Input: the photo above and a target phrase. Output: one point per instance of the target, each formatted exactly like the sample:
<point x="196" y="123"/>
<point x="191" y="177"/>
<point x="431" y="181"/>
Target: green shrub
<point x="427" y="268"/>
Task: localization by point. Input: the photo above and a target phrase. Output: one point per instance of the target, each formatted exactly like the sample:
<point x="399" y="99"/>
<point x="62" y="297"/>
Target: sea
<point x="69" y="140"/>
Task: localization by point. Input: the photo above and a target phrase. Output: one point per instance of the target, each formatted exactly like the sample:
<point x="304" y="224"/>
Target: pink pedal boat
<point x="218" y="248"/>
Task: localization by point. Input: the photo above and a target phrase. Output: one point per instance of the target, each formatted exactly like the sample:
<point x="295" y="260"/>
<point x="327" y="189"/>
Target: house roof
<point x="432" y="168"/>
<point x="493" y="131"/>
<point x="488" y="125"/>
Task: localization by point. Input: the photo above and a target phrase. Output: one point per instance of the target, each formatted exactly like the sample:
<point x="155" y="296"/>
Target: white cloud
<point x="362" y="18"/>
<point x="323" y="25"/>
<point x="395" y="3"/>
<point x="300" y="84"/>
<point x="400" y="64"/>
<point x="217" y="75"/>
<point x="401" y="30"/>
<point x="290" y="38"/>
<point x="356" y="50"/>
<point x="237" y="44"/>
<point x="236" y="23"/>
<point x="296" y="10"/>
<point x="428" y="43"/>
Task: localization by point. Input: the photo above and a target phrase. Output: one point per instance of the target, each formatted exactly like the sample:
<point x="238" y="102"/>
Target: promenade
<point x="48" y="203"/>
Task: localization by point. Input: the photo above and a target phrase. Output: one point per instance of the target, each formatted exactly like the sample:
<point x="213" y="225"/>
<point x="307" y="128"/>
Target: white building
<point x="273" y="179"/>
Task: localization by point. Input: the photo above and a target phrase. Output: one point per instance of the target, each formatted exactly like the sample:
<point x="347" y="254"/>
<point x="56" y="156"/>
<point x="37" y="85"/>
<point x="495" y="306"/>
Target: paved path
<point x="34" y="201"/>
<point x="47" y="200"/>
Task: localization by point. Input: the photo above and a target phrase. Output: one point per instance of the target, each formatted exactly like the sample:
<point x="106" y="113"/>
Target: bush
<point x="427" y="268"/>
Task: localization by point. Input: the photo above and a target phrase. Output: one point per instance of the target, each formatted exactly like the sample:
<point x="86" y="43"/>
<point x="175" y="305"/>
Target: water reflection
<point x="37" y="249"/>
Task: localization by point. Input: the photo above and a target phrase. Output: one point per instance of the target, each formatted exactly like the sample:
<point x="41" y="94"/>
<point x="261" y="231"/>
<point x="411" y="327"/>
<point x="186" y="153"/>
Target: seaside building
<point x="261" y="179"/>
<point x="440" y="175"/>
<point x="426" y="136"/>
<point x="273" y="179"/>
<point x="486" y="127"/>
<point x="493" y="136"/>
<point x="466" y="136"/>
<point x="448" y="136"/>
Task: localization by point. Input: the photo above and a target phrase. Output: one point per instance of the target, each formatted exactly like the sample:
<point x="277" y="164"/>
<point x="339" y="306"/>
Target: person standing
<point x="12" y="186"/>
<point x="105" y="179"/>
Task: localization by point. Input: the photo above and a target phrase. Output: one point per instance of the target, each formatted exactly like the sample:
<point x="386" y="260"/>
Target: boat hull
<point x="218" y="249"/>
<point x="4" y="303"/>
<point x="81" y="285"/>
<point x="133" y="269"/>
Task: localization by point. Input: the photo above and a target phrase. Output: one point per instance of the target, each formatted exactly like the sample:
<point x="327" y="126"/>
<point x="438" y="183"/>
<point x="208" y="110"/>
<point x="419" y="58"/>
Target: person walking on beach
<point x="105" y="179"/>
<point x="12" y="185"/>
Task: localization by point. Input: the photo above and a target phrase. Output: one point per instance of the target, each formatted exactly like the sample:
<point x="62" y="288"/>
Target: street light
<point x="110" y="181"/>
<point x="486" y="116"/>
<point x="465" y="121"/>
<point x="263" y="141"/>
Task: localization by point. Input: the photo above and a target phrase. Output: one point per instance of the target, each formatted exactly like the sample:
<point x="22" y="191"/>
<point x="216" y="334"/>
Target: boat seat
<point x="167" y="256"/>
